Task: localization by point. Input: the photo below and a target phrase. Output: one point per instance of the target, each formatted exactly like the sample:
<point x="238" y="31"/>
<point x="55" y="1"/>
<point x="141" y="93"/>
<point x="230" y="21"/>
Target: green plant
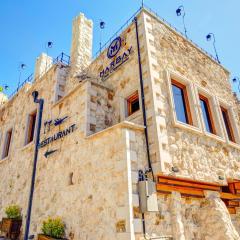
<point x="53" y="227"/>
<point x="13" y="211"/>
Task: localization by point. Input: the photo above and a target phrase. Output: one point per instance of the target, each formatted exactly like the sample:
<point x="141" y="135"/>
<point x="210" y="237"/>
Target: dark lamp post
<point x="237" y="81"/>
<point x="181" y="12"/>
<point x="37" y="140"/>
<point x="209" y="38"/>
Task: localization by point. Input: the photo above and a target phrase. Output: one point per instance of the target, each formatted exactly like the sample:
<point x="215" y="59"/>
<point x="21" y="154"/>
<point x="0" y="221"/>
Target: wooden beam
<point x="189" y="184"/>
<point x="232" y="203"/>
<point x="187" y="180"/>
<point x="232" y="210"/>
<point x="183" y="190"/>
<point x="229" y="196"/>
<point x="192" y="188"/>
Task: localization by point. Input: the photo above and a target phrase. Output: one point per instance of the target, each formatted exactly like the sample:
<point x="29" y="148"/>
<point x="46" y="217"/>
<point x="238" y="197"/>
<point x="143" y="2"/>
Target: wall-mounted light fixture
<point x="175" y="169"/>
<point x="181" y="12"/>
<point x="220" y="177"/>
<point x="209" y="38"/>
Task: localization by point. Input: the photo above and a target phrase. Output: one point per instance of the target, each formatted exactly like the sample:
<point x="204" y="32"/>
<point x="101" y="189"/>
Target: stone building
<point x="151" y="106"/>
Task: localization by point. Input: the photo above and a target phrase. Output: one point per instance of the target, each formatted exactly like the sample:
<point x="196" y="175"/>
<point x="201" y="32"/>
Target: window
<point x="227" y="124"/>
<point x="7" y="143"/>
<point x="31" y="127"/>
<point x="181" y="102"/>
<point x="207" y="114"/>
<point x="133" y="103"/>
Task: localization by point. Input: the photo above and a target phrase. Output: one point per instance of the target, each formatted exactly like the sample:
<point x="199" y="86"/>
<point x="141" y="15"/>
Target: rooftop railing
<point x="61" y="58"/>
<point x="65" y="59"/>
<point x="129" y="21"/>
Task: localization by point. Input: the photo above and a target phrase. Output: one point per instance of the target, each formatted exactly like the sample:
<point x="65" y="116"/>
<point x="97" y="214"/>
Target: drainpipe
<point x="143" y="98"/>
<point x="144" y="116"/>
<point x="29" y="210"/>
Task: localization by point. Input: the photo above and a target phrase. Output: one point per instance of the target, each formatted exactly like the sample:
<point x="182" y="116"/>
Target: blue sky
<point x="26" y="26"/>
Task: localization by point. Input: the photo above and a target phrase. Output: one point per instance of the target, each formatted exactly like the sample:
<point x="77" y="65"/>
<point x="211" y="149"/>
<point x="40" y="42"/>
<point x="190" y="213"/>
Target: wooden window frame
<point x="30" y="129"/>
<point x="130" y="100"/>
<point x="223" y="109"/>
<point x="186" y="100"/>
<point x="7" y="143"/>
<point x="205" y="99"/>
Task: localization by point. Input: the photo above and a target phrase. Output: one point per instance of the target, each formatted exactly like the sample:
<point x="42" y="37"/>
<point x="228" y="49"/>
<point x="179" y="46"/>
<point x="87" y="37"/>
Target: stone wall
<point x="100" y="111"/>
<point x="42" y="65"/>
<point x="189" y="218"/>
<point x="81" y="48"/>
<point x="194" y="153"/>
<point x="86" y="181"/>
<point x="91" y="179"/>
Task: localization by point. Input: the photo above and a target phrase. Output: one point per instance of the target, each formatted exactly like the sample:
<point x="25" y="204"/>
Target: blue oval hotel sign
<point x="114" y="47"/>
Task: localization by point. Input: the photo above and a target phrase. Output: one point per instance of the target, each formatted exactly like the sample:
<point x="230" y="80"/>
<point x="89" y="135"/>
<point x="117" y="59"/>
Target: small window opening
<point x="227" y="124"/>
<point x="7" y="143"/>
<point x="31" y="127"/>
<point x="133" y="103"/>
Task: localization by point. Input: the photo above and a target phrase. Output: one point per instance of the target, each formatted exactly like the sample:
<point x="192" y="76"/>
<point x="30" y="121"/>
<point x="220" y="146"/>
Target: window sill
<point x="188" y="127"/>
<point x="234" y="145"/>
<point x="27" y="146"/>
<point x="133" y="116"/>
<point x="215" y="137"/>
<point x="209" y="135"/>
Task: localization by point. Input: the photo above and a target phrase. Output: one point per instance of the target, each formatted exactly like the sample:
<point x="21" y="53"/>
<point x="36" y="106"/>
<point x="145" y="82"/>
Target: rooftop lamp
<point x="237" y="80"/>
<point x="49" y="44"/>
<point x="209" y="37"/>
<point x="181" y="12"/>
<point x="102" y="24"/>
<point x="22" y="66"/>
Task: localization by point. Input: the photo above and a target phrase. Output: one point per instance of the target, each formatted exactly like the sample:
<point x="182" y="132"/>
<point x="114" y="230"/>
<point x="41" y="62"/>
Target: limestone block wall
<point x="190" y="218"/>
<point x="60" y="82"/>
<point x="42" y="65"/>
<point x="89" y="181"/>
<point x="89" y="186"/>
<point x="81" y="48"/>
<point x="100" y="111"/>
<point x="197" y="155"/>
<point x="124" y="80"/>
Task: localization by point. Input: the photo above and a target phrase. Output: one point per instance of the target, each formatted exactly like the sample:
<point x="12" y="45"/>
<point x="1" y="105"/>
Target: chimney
<point x="43" y="63"/>
<point x="81" y="49"/>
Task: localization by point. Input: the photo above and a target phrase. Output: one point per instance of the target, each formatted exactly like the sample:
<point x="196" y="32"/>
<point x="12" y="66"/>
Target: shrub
<point x="53" y="227"/>
<point x="13" y="211"/>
